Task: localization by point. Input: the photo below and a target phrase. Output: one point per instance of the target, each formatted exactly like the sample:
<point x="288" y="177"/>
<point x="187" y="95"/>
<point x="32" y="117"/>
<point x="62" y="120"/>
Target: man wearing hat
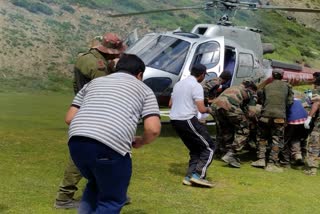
<point x="313" y="150"/>
<point x="276" y="98"/>
<point x="98" y="61"/>
<point x="186" y="100"/>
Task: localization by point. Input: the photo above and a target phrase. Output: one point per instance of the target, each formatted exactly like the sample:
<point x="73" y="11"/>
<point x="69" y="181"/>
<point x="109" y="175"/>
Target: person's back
<point x="183" y="96"/>
<point x="276" y="99"/>
<point x="232" y="98"/>
<point x="89" y="66"/>
<point x="119" y="99"/>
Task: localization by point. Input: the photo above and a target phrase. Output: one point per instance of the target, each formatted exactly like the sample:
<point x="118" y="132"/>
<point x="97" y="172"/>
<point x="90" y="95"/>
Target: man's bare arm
<point x="70" y="114"/>
<point x="202" y="108"/>
<point x="152" y="128"/>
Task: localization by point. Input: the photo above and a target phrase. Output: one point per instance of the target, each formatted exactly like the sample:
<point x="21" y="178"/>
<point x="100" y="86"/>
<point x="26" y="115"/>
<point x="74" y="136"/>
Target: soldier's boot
<point x="231" y="160"/>
<point x="312" y="171"/>
<point x="271" y="167"/>
<point x="259" y="163"/>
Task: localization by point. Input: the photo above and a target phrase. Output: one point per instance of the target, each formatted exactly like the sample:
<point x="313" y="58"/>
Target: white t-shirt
<point x="183" y="97"/>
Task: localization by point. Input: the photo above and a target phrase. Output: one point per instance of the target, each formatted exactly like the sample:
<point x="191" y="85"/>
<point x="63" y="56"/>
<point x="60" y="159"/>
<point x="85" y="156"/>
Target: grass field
<point x="33" y="153"/>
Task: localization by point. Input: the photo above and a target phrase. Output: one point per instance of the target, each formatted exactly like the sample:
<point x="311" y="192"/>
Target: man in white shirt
<point x="186" y="100"/>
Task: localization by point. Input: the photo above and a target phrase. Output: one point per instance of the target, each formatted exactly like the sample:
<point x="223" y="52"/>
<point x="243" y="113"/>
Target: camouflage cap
<point x="111" y="44"/>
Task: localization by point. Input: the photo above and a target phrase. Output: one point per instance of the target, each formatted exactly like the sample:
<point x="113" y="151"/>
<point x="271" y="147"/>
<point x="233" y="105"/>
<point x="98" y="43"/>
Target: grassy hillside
<point x="40" y="38"/>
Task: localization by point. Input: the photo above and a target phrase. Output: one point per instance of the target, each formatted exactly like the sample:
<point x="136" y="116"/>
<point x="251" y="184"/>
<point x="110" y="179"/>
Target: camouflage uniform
<point x="231" y="109"/>
<point x="276" y="97"/>
<point x="210" y="88"/>
<point x="313" y="142"/>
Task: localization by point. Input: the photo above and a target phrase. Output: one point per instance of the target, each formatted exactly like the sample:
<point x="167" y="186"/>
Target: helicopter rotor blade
<point x="157" y="11"/>
<point x="228" y="5"/>
<point x="292" y="9"/>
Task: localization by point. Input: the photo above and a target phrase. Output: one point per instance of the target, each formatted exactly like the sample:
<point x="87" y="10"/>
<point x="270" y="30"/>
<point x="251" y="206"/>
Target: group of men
<point x="278" y="122"/>
<point x="102" y="125"/>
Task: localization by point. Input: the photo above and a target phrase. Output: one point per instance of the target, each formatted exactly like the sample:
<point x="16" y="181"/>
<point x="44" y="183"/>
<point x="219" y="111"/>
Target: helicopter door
<point x="245" y="68"/>
<point x="210" y="54"/>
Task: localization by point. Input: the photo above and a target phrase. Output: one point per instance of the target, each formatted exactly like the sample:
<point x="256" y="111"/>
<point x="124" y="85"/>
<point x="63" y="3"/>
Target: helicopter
<point x="169" y="56"/>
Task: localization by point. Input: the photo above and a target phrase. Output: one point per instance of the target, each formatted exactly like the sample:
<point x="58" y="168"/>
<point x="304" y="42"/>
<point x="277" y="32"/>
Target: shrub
<point x="40" y="8"/>
<point x="33" y="7"/>
<point x="49" y="1"/>
<point x="3" y="12"/>
<point x="68" y="8"/>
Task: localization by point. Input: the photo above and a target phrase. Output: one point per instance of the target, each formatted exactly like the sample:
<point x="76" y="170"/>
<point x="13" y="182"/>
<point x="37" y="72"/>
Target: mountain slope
<point x="40" y="38"/>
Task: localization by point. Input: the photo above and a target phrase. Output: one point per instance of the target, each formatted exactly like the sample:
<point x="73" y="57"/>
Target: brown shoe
<point x="259" y="163"/>
<point x="271" y="167"/>
<point x="311" y="171"/>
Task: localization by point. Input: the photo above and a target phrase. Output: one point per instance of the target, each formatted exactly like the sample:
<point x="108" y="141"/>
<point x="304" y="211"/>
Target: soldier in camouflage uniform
<point x="277" y="97"/>
<point x="214" y="87"/>
<point x="232" y="109"/>
<point x="313" y="142"/>
<point x="97" y="62"/>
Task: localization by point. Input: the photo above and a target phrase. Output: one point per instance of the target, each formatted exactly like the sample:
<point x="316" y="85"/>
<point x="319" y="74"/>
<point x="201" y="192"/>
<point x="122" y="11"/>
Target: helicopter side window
<point x="164" y="53"/>
<point x="207" y="54"/>
<point x="245" y="65"/>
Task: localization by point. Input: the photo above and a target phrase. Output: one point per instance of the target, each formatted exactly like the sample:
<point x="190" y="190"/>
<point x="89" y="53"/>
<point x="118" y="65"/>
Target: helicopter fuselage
<point x="169" y="57"/>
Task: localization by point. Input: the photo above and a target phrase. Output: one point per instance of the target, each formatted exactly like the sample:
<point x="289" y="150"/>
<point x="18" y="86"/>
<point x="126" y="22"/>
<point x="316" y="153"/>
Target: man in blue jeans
<point x="101" y="133"/>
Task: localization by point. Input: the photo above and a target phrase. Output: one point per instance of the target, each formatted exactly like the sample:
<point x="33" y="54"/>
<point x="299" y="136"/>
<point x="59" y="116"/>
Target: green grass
<point x="34" y="152"/>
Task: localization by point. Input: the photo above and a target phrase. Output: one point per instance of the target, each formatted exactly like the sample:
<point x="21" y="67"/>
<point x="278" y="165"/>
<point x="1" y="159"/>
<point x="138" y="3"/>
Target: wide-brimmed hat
<point x="111" y="44"/>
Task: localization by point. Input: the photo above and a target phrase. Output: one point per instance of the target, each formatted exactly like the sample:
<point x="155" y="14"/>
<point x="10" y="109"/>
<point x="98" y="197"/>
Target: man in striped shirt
<point x="103" y="120"/>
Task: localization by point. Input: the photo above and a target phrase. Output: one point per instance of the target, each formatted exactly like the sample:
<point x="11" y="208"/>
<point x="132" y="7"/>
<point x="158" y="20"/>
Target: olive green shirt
<point x="89" y="66"/>
<point x="277" y="97"/>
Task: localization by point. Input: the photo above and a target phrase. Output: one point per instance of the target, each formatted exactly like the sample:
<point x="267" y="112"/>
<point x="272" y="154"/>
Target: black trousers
<point x="197" y="139"/>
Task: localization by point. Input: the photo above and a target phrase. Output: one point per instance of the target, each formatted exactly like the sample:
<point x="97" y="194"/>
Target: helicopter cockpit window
<point x="207" y="54"/>
<point x="163" y="52"/>
<point x="245" y="65"/>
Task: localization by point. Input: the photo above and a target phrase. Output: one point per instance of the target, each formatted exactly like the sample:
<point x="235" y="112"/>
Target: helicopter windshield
<point x="162" y="52"/>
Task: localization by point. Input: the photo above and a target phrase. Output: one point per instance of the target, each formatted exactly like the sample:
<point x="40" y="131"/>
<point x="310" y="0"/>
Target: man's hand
<point x="138" y="142"/>
<point x="307" y="123"/>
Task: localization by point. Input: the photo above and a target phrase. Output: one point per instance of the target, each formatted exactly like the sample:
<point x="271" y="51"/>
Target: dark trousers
<point x="108" y="174"/>
<point x="295" y="137"/>
<point x="196" y="138"/>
